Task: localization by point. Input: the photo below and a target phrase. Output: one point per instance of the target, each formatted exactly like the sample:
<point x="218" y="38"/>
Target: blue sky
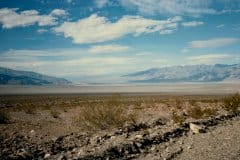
<point x="100" y="40"/>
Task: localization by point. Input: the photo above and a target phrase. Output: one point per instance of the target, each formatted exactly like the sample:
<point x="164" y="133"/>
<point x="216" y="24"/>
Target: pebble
<point x="196" y="128"/>
<point x="47" y="155"/>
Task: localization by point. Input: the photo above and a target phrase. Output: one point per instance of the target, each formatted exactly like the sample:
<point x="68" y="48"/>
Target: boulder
<point x="196" y="128"/>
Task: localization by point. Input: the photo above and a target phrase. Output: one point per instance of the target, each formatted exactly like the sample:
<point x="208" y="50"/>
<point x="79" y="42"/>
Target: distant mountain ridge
<point x="15" y="77"/>
<point x="188" y="73"/>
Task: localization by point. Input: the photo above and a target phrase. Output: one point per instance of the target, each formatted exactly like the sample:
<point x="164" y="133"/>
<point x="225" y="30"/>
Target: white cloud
<point x="220" y="26"/>
<point x="98" y="61"/>
<point x="42" y="30"/>
<point x="161" y="61"/>
<point x="185" y="50"/>
<point x="96" y="29"/>
<point x="213" y="43"/>
<point x="230" y="11"/>
<point x="58" y="12"/>
<point x="101" y="3"/>
<point x="167" y="31"/>
<point x="193" y="8"/>
<point x="192" y="23"/>
<point x="65" y="62"/>
<point x="108" y="49"/>
<point x="208" y="58"/>
<point x="10" y="18"/>
<point x="171" y="7"/>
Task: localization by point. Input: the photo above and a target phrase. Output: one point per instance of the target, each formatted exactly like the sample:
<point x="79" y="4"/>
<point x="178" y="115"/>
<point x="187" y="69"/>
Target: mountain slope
<point x="10" y="76"/>
<point x="188" y="73"/>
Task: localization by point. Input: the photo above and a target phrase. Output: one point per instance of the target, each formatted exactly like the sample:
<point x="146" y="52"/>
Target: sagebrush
<point x="4" y="117"/>
<point x="105" y="115"/>
<point x="232" y="103"/>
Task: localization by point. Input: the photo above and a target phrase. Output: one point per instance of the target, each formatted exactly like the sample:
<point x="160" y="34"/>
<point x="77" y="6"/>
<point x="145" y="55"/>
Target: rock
<point x="24" y="154"/>
<point x="139" y="136"/>
<point x="47" y="155"/>
<point x="189" y="147"/>
<point x="32" y="131"/>
<point x="196" y="128"/>
<point x="61" y="157"/>
<point x="181" y="142"/>
<point x="160" y="122"/>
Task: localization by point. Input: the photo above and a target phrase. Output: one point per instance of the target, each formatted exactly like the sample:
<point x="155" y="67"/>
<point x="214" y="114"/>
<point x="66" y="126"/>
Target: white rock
<point x="139" y="136"/>
<point x="196" y="128"/>
<point x="47" y="155"/>
<point x="32" y="132"/>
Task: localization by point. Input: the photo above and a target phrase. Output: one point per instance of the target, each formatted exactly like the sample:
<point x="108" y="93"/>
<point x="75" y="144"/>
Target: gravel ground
<point x="222" y="142"/>
<point x="219" y="139"/>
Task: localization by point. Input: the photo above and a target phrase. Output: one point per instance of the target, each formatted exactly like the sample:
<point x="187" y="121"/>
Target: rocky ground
<point x="213" y="138"/>
<point x="43" y="134"/>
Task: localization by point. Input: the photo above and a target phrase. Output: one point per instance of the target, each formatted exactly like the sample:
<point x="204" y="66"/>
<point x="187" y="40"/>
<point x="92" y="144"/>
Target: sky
<point x="101" y="40"/>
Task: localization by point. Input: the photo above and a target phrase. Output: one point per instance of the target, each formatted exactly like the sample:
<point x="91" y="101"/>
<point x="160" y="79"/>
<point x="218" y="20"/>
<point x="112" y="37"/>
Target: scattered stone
<point x="47" y="155"/>
<point x="141" y="141"/>
<point x="139" y="136"/>
<point x="189" y="147"/>
<point x="24" y="154"/>
<point x="196" y="128"/>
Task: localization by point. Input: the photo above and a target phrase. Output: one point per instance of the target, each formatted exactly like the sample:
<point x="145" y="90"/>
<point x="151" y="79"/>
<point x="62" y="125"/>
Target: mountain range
<point x="15" y="77"/>
<point x="188" y="73"/>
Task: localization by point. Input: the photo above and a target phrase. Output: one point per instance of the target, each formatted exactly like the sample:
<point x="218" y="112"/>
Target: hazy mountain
<point x="188" y="73"/>
<point x="10" y="76"/>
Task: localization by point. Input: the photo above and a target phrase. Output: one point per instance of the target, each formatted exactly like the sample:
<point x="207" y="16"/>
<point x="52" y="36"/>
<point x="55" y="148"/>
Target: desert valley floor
<point x="121" y="125"/>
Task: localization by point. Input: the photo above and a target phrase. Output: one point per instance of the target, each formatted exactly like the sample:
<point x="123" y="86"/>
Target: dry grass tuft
<point x="197" y="112"/>
<point x="55" y="113"/>
<point x="178" y="118"/>
<point x="208" y="112"/>
<point x="105" y="115"/>
<point x="232" y="103"/>
<point x="30" y="109"/>
<point x="4" y="117"/>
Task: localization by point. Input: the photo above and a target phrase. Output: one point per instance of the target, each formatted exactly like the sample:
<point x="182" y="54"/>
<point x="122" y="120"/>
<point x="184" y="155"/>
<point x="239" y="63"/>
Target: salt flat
<point x="163" y="88"/>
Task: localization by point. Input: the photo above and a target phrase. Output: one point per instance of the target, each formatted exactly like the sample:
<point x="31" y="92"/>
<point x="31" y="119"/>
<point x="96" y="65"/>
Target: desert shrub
<point x="46" y="107"/>
<point x="4" y="117"/>
<point x="177" y="118"/>
<point x="105" y="116"/>
<point x="29" y="109"/>
<point x="232" y="103"/>
<point x="179" y="104"/>
<point x="114" y="100"/>
<point x="195" y="112"/>
<point x="209" y="112"/>
<point x="193" y="102"/>
<point x="55" y="113"/>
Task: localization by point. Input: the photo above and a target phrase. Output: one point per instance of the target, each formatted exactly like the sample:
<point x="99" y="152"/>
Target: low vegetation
<point x="55" y="113"/>
<point x="4" y="117"/>
<point x="178" y="118"/>
<point x="105" y="115"/>
<point x="232" y="103"/>
<point x="30" y="110"/>
<point x="103" y="112"/>
<point x="197" y="112"/>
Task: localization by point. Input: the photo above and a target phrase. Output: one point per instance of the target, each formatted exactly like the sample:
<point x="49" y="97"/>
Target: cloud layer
<point x="108" y="49"/>
<point x="96" y="29"/>
<point x="212" y="43"/>
<point x="171" y="7"/>
<point x="208" y="58"/>
<point x="10" y="18"/>
<point x="192" y="23"/>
